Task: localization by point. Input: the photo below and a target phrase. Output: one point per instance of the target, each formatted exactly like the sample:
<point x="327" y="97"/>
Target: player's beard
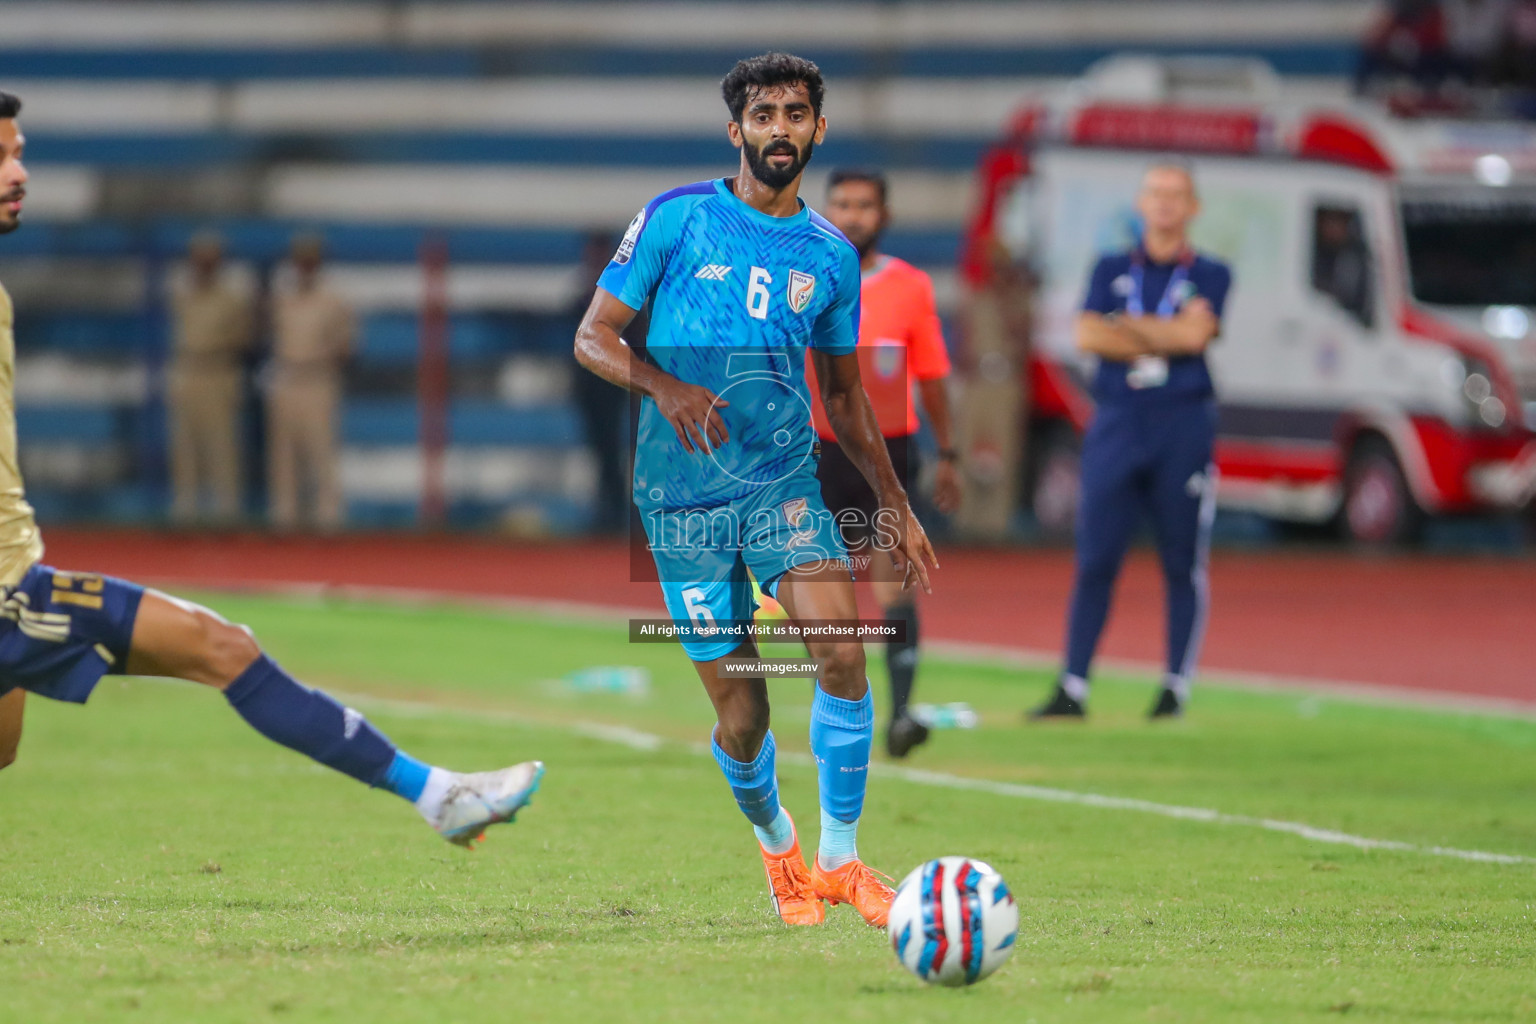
<point x="778" y="177"/>
<point x="10" y="221"/>
<point x="867" y="244"/>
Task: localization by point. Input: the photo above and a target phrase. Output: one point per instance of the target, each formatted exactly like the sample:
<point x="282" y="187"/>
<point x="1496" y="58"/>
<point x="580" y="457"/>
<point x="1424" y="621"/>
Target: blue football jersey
<point x="736" y="298"/>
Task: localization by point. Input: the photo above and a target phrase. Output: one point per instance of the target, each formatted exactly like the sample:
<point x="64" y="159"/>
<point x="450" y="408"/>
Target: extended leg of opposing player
<point x="842" y="733"/>
<point x="185" y="641"/>
<point x="12" y="706"/>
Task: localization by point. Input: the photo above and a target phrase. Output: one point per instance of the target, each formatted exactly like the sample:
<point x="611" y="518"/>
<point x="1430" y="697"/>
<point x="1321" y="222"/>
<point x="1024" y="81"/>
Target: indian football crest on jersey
<point x="795" y="512"/>
<point x="631" y="236"/>
<point x="801" y="287"/>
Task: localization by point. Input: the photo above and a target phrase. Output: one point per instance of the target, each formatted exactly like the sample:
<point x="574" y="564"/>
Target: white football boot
<point x="477" y="800"/>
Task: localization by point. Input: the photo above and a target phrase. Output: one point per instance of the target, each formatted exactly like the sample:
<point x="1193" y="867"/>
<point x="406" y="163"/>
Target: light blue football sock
<point x="406" y="777"/>
<point x="756" y="789"/>
<point x="839" y="842"/>
<point x="842" y="733"/>
<point x="779" y="836"/>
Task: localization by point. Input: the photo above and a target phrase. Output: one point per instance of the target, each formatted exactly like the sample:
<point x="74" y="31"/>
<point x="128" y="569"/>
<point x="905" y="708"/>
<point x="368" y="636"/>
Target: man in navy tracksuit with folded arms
<point x="1148" y="316"/>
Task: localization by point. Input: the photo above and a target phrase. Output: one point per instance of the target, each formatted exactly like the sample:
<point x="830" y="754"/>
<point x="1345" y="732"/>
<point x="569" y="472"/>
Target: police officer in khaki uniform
<point x="312" y="328"/>
<point x="214" y="320"/>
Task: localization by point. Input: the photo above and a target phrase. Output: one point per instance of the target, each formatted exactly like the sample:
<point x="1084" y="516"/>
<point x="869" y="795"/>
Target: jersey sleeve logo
<point x="801" y="287"/>
<point x="631" y="236"/>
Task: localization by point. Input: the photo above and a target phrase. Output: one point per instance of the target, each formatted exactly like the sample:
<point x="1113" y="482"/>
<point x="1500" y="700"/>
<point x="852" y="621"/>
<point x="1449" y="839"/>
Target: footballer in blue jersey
<point x="742" y="279"/>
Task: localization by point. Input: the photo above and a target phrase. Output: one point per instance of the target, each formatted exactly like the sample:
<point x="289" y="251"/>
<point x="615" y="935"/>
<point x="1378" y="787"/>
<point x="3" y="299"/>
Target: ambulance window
<point x="1342" y="268"/>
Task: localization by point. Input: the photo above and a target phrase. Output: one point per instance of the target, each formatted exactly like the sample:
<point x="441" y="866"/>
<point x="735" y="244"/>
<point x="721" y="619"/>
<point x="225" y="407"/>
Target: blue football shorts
<point x="60" y="632"/>
<point x="704" y="556"/>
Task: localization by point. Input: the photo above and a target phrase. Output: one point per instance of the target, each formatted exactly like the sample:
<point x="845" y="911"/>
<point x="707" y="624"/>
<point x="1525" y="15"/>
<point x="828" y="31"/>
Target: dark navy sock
<point x="287" y="712"/>
<point x="901" y="658"/>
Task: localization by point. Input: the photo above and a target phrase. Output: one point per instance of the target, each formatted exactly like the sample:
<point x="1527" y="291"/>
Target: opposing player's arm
<point x="11" y="707"/>
<point x="858" y="432"/>
<point x="600" y="347"/>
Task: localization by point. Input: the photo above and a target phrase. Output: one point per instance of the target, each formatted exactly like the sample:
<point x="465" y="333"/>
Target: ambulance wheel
<point x="1055" y="483"/>
<point x="1379" y="510"/>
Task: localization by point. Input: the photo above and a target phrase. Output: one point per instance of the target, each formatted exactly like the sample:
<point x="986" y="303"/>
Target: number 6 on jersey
<point x="757" y="293"/>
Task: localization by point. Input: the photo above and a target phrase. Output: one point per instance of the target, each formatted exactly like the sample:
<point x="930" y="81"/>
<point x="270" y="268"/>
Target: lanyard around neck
<point x="1169" y="303"/>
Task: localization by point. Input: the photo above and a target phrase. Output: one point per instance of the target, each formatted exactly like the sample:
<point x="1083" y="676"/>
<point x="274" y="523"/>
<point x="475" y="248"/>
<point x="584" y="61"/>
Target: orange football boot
<point x="789" y="881"/>
<point x="858" y="885"/>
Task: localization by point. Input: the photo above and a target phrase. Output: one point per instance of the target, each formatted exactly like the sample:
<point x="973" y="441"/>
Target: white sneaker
<point x="478" y="800"/>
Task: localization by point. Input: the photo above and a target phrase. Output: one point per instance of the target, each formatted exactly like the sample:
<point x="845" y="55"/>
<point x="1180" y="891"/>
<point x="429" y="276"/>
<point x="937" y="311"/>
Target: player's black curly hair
<point x="767" y="71"/>
<point x="10" y="106"/>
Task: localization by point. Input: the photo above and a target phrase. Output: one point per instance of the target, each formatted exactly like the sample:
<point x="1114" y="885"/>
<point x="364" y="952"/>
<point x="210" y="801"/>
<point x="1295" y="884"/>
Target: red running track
<point x="1458" y="625"/>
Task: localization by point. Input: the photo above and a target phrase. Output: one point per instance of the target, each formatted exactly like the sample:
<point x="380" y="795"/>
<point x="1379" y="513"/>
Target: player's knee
<point x="742" y="723"/>
<point x="842" y="669"/>
<point x="7" y="758"/>
<point x="227" y="649"/>
<point x="741" y="735"/>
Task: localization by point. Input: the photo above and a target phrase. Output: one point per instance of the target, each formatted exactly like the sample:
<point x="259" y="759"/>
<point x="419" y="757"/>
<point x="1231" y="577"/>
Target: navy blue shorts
<point x="60" y="632"/>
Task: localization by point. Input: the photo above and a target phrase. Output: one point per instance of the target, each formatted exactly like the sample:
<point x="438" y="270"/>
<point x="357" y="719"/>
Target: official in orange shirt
<point x="901" y="347"/>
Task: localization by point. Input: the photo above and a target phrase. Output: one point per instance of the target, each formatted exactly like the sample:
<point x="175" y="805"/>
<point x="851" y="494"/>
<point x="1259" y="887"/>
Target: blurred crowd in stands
<point x="1451" y="47"/>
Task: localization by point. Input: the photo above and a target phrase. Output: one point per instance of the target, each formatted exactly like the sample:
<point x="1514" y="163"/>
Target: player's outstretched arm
<point x="12" y="705"/>
<point x="692" y="410"/>
<point x="858" y="431"/>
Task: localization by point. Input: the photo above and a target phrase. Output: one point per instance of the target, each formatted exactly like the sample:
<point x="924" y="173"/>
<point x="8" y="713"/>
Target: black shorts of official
<point x="845" y="490"/>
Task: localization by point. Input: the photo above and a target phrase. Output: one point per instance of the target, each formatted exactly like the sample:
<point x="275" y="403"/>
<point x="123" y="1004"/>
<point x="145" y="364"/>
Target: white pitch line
<point x="1376" y="694"/>
<point x="635" y="739"/>
<point x="1202" y="814"/>
<point x="623" y="735"/>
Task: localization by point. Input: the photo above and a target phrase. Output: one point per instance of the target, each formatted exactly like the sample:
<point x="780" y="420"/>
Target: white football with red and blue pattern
<point x="954" y="921"/>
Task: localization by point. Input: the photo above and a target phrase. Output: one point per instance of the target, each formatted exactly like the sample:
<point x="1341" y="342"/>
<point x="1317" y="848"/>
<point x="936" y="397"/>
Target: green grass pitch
<point x="163" y="863"/>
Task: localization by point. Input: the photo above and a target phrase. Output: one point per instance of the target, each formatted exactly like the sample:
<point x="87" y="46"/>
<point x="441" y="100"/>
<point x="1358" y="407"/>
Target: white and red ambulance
<point x="1377" y="363"/>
